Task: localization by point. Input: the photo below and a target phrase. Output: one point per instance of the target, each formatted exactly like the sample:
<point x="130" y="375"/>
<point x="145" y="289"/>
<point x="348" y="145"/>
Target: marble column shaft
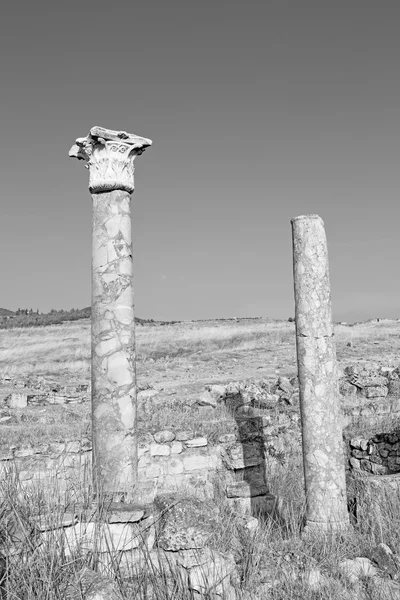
<point x="321" y="419"/>
<point x="109" y="156"/>
<point x="113" y="346"/>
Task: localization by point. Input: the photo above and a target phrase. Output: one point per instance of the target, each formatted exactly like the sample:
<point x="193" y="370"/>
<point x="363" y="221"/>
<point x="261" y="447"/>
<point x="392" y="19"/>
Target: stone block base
<point x="122" y="527"/>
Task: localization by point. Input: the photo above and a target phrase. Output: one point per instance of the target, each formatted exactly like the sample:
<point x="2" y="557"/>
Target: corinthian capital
<point x="109" y="156"/>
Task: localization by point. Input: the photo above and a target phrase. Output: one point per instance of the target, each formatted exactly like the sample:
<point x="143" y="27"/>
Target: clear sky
<point x="259" y="111"/>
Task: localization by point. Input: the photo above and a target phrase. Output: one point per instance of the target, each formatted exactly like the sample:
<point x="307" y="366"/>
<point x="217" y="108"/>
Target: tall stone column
<point x="323" y="456"/>
<point x="109" y="156"/>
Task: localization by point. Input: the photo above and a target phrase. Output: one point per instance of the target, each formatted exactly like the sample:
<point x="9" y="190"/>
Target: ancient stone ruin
<point x="139" y="484"/>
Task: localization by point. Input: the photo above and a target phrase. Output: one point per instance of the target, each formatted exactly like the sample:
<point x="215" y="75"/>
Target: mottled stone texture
<point x="323" y="456"/>
<point x="109" y="156"/>
<point x="113" y="345"/>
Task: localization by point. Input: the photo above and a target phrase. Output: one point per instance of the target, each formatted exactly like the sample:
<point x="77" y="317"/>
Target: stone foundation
<point x="168" y="462"/>
<point x="379" y="455"/>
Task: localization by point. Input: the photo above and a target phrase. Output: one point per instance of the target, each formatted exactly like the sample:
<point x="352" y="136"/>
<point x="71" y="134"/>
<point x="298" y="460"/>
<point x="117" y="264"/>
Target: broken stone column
<point x="321" y="419"/>
<point x="109" y="156"/>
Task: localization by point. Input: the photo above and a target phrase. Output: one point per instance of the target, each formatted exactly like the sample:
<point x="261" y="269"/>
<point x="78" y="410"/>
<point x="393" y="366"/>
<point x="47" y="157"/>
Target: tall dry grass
<point x="274" y="562"/>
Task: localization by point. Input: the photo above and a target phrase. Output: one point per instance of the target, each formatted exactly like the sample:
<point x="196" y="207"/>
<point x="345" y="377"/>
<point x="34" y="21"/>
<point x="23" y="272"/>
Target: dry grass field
<point x="64" y="350"/>
<point x="177" y="361"/>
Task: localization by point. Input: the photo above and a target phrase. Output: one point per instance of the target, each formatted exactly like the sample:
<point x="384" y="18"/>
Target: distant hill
<point x="28" y="318"/>
<point x="24" y="317"/>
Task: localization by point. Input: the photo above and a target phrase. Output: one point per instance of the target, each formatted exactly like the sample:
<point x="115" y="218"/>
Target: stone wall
<point x="237" y="467"/>
<point x="379" y="455"/>
<point x="65" y="465"/>
<point x="170" y="462"/>
<point x="370" y="394"/>
<point x="263" y="425"/>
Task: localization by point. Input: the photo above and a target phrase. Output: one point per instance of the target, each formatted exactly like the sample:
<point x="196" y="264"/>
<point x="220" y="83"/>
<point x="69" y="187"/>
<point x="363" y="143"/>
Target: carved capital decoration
<point x="109" y="155"/>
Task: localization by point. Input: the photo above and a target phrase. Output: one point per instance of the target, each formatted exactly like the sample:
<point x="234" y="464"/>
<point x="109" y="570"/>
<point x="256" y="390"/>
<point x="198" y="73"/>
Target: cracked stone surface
<point x="323" y="457"/>
<point x="113" y="344"/>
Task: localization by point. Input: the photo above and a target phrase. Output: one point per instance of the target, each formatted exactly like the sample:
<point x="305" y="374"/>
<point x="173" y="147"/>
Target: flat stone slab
<point x="113" y="512"/>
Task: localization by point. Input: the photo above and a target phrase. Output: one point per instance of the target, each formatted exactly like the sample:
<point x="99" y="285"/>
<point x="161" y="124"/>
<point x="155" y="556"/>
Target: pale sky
<point x="259" y="111"/>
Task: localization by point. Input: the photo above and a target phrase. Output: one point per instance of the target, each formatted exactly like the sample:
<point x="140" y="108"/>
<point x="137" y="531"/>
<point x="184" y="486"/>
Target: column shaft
<point x="323" y="457"/>
<point x="113" y="347"/>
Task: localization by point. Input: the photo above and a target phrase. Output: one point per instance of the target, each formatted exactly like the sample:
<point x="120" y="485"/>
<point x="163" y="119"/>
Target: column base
<point x="313" y="529"/>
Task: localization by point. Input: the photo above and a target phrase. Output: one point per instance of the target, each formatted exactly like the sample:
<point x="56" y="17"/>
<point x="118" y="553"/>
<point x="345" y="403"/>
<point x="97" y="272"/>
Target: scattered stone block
<point x="347" y="389"/>
<point x="218" y="392"/>
<point x="379" y="469"/>
<point x="161" y="437"/>
<point x="207" y="399"/>
<point x="125" y="514"/>
<point x="359" y="454"/>
<point x="285" y="385"/>
<point x="354" y="463"/>
<point x="196" y="442"/>
<point x="376" y="392"/>
<point x="160" y="450"/>
<point x="355" y="443"/>
<point x="373" y="380"/>
<point x="364" y="445"/>
<point x="176" y="447"/>
<point x="185" y="523"/>
<point x="18" y="400"/>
